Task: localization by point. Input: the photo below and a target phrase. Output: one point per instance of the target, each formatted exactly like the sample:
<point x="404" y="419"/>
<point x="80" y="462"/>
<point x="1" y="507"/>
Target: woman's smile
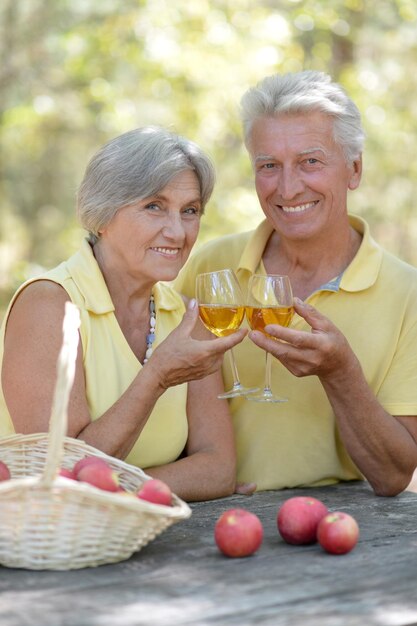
<point x="171" y="252"/>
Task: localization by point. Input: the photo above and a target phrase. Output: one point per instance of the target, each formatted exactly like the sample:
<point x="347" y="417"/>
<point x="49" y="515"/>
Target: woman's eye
<point x="152" y="206"/>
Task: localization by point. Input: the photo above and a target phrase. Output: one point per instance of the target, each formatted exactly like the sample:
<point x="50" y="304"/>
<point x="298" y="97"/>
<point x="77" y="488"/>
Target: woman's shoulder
<point x="39" y="293"/>
<point x="43" y="288"/>
<point x="37" y="305"/>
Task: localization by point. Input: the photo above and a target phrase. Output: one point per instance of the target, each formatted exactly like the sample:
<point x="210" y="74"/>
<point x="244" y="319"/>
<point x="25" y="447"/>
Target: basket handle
<point x="58" y="422"/>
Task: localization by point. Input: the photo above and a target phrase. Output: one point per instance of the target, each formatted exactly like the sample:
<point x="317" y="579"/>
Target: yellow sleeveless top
<point x="109" y="363"/>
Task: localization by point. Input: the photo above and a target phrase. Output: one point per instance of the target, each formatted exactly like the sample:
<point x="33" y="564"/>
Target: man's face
<point x="301" y="175"/>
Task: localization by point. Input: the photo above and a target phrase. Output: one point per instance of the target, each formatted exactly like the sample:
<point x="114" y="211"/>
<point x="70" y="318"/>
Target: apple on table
<point x="238" y="533"/>
<point x="298" y="518"/>
<point x="338" y="533"/>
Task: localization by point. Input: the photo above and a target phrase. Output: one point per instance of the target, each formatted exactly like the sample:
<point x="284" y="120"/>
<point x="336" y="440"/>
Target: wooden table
<point x="182" y="579"/>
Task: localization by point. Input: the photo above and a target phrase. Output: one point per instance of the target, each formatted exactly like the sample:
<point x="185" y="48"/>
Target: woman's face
<point x="152" y="239"/>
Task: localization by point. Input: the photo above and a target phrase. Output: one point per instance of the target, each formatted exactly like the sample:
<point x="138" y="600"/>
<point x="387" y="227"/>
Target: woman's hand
<point x="181" y="357"/>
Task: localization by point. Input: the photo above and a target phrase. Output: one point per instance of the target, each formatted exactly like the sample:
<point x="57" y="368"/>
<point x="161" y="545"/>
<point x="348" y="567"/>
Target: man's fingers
<point x="296" y="338"/>
<point x="312" y="316"/>
<point x="301" y="339"/>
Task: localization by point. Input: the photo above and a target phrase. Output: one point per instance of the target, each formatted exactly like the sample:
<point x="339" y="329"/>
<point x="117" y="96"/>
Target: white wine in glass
<point x="269" y="301"/>
<point x="222" y="309"/>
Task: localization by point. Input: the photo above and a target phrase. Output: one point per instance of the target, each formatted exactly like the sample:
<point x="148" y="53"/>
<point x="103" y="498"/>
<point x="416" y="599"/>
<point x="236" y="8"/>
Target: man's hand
<point x="322" y="352"/>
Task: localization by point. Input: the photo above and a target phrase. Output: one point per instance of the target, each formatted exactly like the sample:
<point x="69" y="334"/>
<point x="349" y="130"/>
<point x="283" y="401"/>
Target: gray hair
<point x="301" y="92"/>
<point x="134" y="166"/>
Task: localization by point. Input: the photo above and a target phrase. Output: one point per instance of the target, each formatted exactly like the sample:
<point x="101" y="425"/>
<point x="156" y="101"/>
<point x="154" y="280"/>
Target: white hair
<point x="301" y="92"/>
<point x="134" y="166"/>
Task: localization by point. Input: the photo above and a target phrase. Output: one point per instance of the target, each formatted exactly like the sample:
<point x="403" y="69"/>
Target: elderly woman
<point x="146" y="379"/>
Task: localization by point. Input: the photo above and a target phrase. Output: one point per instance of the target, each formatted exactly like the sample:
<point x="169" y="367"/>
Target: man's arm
<point x="383" y="446"/>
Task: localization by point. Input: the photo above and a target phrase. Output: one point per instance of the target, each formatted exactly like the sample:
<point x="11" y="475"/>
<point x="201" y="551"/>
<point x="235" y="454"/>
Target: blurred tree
<point x="74" y="73"/>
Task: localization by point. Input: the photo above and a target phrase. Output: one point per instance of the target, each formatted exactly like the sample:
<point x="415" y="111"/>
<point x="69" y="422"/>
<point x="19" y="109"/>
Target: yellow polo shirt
<point x="374" y="304"/>
<point x="109" y="363"/>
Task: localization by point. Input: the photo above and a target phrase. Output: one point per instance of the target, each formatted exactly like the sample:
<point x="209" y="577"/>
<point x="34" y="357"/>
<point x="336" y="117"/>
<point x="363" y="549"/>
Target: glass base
<point x="238" y="390"/>
<point x="267" y="396"/>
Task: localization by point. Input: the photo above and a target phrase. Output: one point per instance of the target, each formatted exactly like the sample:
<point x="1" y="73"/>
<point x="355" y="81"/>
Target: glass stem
<point x="267" y="389"/>
<point x="236" y="381"/>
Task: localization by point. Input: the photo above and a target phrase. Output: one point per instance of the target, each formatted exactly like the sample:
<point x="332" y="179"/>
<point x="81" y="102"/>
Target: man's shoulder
<point x="168" y="296"/>
<point x="232" y="239"/>
<point x="394" y="263"/>
<point x="399" y="275"/>
<point x="216" y="254"/>
<point x="217" y="251"/>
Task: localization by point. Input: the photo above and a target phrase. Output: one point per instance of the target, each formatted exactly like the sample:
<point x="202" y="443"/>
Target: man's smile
<point x="297" y="208"/>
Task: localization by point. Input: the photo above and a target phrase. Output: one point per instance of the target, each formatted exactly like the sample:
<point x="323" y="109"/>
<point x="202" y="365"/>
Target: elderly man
<point x="348" y="361"/>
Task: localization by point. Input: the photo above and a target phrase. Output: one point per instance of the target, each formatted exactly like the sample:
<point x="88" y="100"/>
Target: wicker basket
<point x="51" y="522"/>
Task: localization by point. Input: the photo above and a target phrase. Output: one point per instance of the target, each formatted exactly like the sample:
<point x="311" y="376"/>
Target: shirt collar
<point x="255" y="246"/>
<point x="364" y="268"/>
<point x="86" y="274"/>
<point x="360" y="274"/>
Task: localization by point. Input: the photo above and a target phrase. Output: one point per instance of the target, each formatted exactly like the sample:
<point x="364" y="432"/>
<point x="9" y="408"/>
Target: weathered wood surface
<point x="182" y="579"/>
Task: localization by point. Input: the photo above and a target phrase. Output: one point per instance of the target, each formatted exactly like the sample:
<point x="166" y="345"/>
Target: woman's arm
<point x="33" y="339"/>
<point x="32" y="342"/>
<point x="208" y="469"/>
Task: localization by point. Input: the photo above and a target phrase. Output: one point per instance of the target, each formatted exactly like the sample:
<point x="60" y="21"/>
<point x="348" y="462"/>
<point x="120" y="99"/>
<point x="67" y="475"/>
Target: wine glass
<point x="269" y="301"/>
<point x="221" y="308"/>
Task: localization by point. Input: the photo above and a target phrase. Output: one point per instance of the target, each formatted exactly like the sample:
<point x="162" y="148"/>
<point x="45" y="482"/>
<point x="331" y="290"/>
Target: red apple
<point x="4" y="471"/>
<point x="88" y="460"/>
<point x="156" y="491"/>
<point x="67" y="473"/>
<point x="238" y="533"/>
<point x="100" y="475"/>
<point x="298" y="518"/>
<point x="338" y="533"/>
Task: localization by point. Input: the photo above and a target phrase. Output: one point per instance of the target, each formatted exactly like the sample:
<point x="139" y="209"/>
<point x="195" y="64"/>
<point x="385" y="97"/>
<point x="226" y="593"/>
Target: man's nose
<point x="290" y="183"/>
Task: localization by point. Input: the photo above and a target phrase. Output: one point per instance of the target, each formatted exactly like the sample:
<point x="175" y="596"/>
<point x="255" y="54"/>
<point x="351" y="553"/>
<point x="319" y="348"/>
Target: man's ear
<point x="356" y="173"/>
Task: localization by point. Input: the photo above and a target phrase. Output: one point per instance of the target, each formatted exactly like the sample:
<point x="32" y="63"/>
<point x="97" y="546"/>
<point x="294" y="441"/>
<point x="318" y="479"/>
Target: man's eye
<point x="192" y="210"/>
<point x="266" y="166"/>
<point x="312" y="161"/>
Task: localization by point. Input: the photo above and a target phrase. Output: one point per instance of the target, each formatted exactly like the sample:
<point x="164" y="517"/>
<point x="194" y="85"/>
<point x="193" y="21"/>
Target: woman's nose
<point x="173" y="227"/>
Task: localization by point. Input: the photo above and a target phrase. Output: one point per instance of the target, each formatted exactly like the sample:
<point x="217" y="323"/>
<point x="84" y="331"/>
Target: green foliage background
<point x="74" y="73"/>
